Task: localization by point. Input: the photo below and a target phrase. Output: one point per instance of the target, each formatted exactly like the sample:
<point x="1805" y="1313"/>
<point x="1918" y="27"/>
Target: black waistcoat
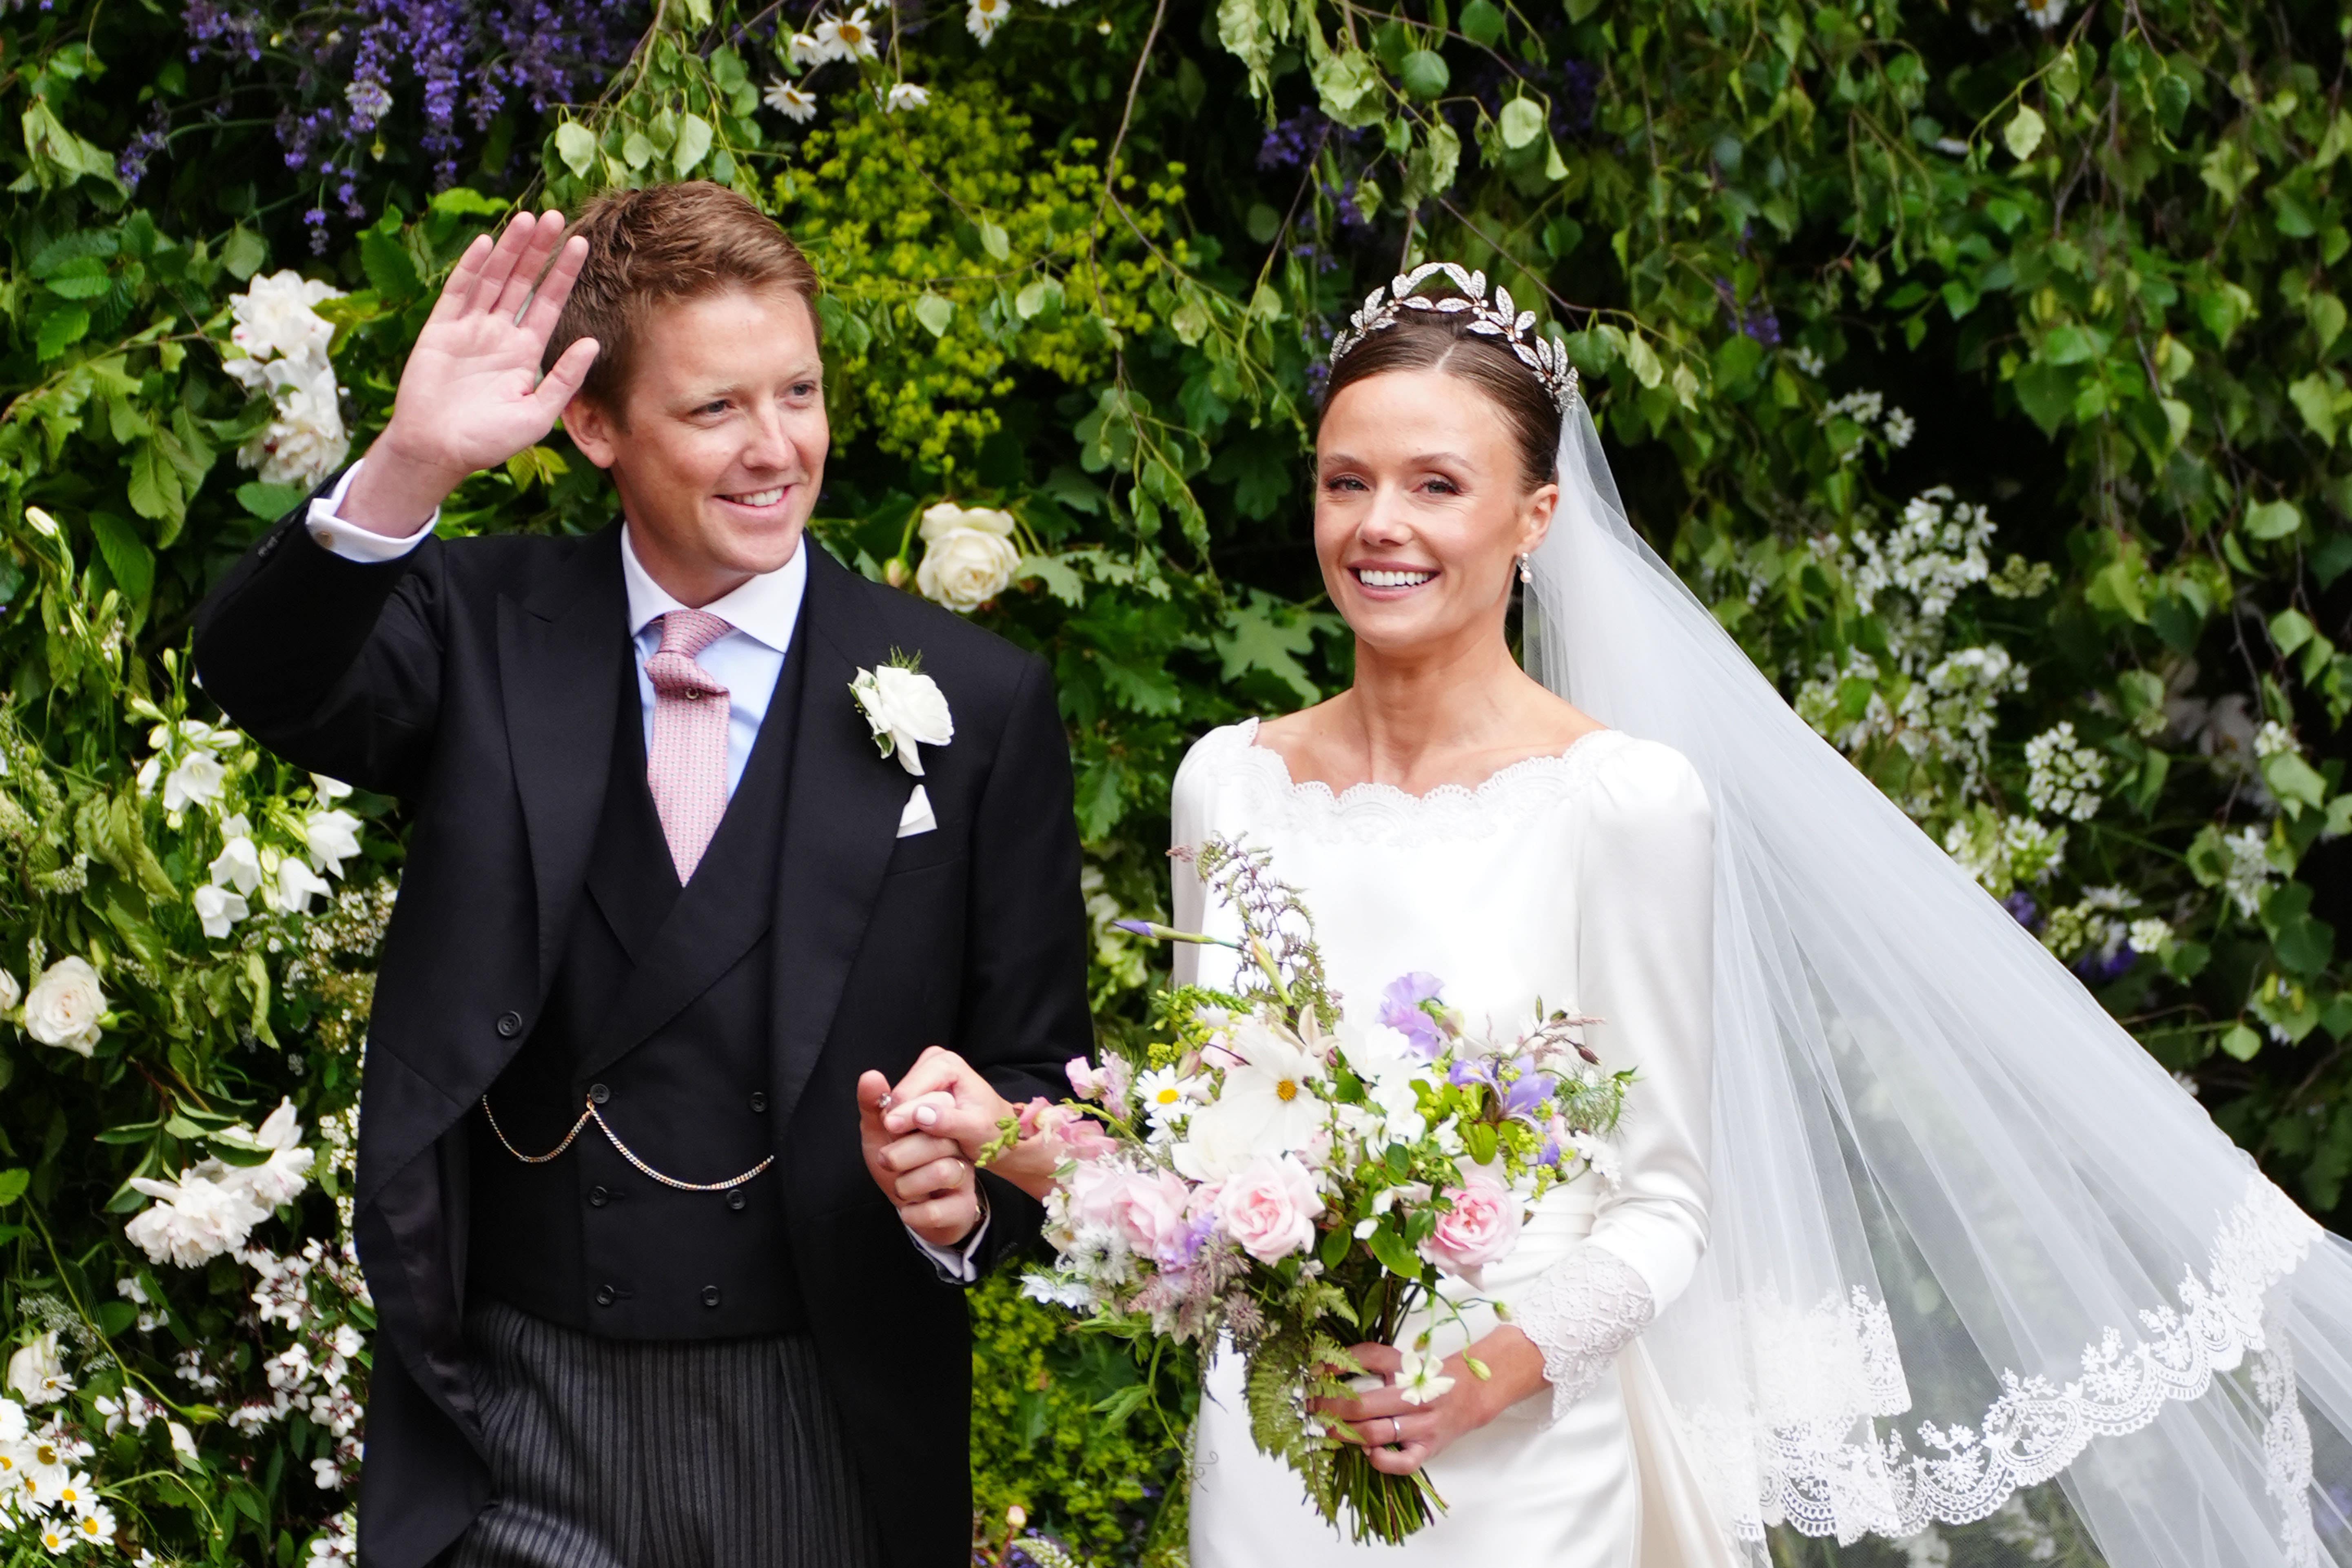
<point x="586" y="1239"/>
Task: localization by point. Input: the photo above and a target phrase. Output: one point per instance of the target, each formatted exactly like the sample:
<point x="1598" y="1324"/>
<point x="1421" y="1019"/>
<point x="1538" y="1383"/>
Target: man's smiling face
<point x="718" y="450"/>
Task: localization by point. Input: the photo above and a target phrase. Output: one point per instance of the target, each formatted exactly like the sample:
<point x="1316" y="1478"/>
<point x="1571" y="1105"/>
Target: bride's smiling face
<point x="1422" y="508"/>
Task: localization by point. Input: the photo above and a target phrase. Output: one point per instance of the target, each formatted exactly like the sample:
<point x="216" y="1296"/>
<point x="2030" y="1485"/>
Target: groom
<point x="656" y="1288"/>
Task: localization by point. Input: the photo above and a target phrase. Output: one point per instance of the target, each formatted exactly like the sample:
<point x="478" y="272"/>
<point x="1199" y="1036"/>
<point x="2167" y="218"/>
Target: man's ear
<point x="591" y="428"/>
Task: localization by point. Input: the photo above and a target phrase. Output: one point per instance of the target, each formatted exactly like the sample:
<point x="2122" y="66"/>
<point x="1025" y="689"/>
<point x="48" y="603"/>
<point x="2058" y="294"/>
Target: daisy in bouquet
<point x="1294" y="1176"/>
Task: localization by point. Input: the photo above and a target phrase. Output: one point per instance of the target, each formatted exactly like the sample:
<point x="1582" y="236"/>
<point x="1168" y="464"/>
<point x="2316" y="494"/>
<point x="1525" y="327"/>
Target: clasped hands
<point x="921" y="1137"/>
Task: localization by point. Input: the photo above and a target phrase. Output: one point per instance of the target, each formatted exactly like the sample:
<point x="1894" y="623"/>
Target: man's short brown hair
<point x="662" y="245"/>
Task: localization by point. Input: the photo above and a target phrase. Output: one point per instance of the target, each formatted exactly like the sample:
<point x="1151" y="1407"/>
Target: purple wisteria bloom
<point x="1401" y="1010"/>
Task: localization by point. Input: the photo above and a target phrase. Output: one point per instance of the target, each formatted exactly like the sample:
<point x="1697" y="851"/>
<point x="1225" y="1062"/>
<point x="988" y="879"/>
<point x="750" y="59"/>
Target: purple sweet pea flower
<point x="1528" y="1094"/>
<point x="1401" y="1010"/>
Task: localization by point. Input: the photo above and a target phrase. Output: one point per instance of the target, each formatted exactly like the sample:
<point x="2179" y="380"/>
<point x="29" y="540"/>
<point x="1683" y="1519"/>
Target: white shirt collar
<point x="765" y="608"/>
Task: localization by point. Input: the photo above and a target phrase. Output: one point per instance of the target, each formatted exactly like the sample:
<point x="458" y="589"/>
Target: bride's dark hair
<point x="1432" y="339"/>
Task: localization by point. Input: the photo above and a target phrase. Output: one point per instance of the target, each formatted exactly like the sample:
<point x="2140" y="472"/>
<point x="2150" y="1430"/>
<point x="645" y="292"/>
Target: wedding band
<point x="1396" y="1431"/>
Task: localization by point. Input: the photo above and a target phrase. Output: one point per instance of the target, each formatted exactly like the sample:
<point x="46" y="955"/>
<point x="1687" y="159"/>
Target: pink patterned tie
<point x="686" y="768"/>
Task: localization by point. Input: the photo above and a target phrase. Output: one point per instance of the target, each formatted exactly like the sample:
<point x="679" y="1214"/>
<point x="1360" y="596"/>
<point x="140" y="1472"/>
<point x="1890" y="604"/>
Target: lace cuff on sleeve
<point x="1580" y="1315"/>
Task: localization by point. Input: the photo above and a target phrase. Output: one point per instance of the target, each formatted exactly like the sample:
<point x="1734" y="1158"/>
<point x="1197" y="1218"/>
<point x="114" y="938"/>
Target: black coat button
<point x="605" y="1295"/>
<point x="737" y="1201"/>
<point x="598" y="1197"/>
<point x="599" y="1093"/>
<point x="509" y="1026"/>
<point x="759" y="1100"/>
<point x="710" y="1295"/>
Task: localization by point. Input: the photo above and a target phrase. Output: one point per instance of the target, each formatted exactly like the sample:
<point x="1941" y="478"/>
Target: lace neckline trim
<point x="1381" y="812"/>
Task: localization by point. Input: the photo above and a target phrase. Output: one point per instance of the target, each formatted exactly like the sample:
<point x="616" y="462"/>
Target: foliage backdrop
<point x="1984" y="366"/>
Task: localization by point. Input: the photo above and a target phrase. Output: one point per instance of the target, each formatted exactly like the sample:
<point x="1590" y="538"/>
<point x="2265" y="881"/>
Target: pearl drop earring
<point x="1526" y="574"/>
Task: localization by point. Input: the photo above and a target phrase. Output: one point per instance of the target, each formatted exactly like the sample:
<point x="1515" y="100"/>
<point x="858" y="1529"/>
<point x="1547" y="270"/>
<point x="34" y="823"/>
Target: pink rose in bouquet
<point x="1148" y="1210"/>
<point x="1481" y="1227"/>
<point x="1269" y="1209"/>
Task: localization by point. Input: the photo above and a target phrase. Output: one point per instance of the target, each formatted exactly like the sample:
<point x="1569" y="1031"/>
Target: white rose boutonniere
<point x="64" y="1007"/>
<point x="905" y="709"/>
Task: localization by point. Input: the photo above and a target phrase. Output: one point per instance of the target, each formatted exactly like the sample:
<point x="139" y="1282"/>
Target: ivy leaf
<point x="2317" y="401"/>
<point x="577" y="146"/>
<point x="1481" y="22"/>
<point x="1423" y="74"/>
<point x="694" y="137"/>
<point x="2023" y="133"/>
<point x="1521" y="123"/>
<point x="935" y="312"/>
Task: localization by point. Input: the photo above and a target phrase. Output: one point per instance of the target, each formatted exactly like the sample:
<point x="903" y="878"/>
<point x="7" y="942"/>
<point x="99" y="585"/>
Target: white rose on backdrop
<point x="195" y="782"/>
<point x="192" y="1220"/>
<point x="35" y="1375"/>
<point x="277" y="317"/>
<point x="238" y="865"/>
<point x="296" y="883"/>
<point x="307" y="440"/>
<point x="219" y="909"/>
<point x="277" y="1180"/>
<point x="11" y="992"/>
<point x="968" y="556"/>
<point x="333" y="837"/>
<point x="65" y="1005"/>
<point x="904" y="708"/>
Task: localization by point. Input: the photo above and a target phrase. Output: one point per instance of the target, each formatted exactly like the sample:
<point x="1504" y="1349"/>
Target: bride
<point x="1902" y="1225"/>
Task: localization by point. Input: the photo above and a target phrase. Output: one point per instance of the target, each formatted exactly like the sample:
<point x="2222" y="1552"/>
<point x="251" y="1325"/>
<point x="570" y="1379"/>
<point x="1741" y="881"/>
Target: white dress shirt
<point x="746" y="660"/>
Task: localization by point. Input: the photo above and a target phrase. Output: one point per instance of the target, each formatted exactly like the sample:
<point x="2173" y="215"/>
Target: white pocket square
<point x="917" y="817"/>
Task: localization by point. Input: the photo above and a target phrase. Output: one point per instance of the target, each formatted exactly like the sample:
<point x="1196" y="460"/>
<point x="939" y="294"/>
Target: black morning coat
<point x="474" y="679"/>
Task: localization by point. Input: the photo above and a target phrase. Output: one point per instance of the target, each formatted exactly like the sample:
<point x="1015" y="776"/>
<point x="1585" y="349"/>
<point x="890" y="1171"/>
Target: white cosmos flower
<point x="846" y="37"/>
<point x="1269" y="1095"/>
<point x="295" y="885"/>
<point x="65" y="1005"/>
<point x="985" y="17"/>
<point x="1216" y="1146"/>
<point x="219" y="909"/>
<point x="195" y="782"/>
<point x="35" y="1375"/>
<point x="789" y="102"/>
<point x="332" y="837"/>
<point x="1167" y="1096"/>
<point x="1383" y="1059"/>
<point x="238" y="865"/>
<point x="1419" y="1377"/>
<point x="906" y="95"/>
<point x="806" y="49"/>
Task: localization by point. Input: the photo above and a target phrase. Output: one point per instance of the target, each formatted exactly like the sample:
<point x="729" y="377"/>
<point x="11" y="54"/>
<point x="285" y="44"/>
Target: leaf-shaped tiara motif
<point x="1499" y="319"/>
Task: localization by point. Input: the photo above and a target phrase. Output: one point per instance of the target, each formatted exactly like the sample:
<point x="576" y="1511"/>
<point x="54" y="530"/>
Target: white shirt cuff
<point x="351" y="541"/>
<point x="955" y="1264"/>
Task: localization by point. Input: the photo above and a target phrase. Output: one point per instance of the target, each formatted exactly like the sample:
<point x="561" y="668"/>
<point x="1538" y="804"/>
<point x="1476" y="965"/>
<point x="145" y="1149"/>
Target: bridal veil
<point x="1967" y="1237"/>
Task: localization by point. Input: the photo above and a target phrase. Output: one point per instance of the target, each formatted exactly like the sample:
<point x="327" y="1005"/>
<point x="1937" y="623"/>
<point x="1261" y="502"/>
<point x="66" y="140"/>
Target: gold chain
<point x="591" y="1112"/>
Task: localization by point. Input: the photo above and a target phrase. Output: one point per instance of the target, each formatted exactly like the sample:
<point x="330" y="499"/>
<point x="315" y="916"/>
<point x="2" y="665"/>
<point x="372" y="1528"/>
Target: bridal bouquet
<point x="1301" y="1177"/>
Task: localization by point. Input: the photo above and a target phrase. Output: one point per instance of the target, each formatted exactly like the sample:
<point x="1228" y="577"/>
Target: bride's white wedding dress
<point x="1581" y="881"/>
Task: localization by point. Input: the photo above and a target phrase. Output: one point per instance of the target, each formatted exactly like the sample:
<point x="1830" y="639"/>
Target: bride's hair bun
<point x="1448" y="328"/>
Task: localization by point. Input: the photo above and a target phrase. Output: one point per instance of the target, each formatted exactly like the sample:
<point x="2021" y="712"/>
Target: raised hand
<point x="471" y="395"/>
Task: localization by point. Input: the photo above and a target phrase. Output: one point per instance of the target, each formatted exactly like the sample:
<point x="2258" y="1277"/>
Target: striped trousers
<point x="658" y="1454"/>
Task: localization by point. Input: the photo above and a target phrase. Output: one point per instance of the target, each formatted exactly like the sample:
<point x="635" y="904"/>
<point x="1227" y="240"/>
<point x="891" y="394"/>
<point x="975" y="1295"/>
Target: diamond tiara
<point x="1500" y="320"/>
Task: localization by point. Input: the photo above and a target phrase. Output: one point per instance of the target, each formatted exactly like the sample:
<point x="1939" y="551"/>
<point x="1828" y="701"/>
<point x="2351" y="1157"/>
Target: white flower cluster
<point x="285" y="341"/>
<point x="188" y="764"/>
<point x="42" y="1486"/>
<point x="2274" y="739"/>
<point x="1936" y="549"/>
<point x="2004" y="852"/>
<point x="852" y="39"/>
<point x="2250" y="872"/>
<point x="2063" y="777"/>
<point x="968" y="556"/>
<point x="214" y="1207"/>
<point x="339" y="1546"/>
<point x="1868" y="409"/>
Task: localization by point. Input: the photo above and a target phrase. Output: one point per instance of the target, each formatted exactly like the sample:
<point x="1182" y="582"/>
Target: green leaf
<point x="1481" y="22"/>
<point x="694" y="139"/>
<point x="935" y="312"/>
<point x="1262" y="632"/>
<point x="2023" y="133"/>
<point x="1423" y="74"/>
<point x="1040" y="298"/>
<point x="1390" y="1247"/>
<point x="2272" y="519"/>
<point x="2317" y="401"/>
<point x="2046" y="393"/>
<point x="1642" y="360"/>
<point x="60" y="329"/>
<point x="269" y="502"/>
<point x="1348" y="84"/>
<point x="154" y="486"/>
<point x="2290" y="629"/>
<point x="2325" y="311"/>
<point x="2241" y="1042"/>
<point x="13" y="1183"/>
<point x="576" y="145"/>
<point x="391" y="271"/>
<point x="244" y="253"/>
<point x="127" y="557"/>
<point x="637" y="149"/>
<point x="1521" y="121"/>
